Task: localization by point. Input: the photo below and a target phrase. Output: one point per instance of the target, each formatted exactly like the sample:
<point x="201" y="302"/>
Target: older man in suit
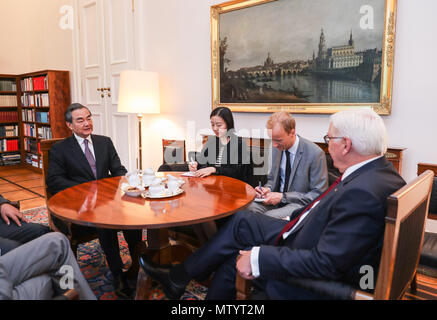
<point x="298" y="175"/>
<point x="331" y="238"/>
<point x="85" y="157"/>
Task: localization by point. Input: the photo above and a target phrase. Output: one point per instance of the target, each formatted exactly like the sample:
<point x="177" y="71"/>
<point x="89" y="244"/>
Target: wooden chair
<point x="173" y="151"/>
<point x="403" y="238"/>
<point x="75" y="233"/>
<point x="428" y="257"/>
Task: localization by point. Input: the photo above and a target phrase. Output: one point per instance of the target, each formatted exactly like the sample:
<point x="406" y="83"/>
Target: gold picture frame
<point x="357" y="73"/>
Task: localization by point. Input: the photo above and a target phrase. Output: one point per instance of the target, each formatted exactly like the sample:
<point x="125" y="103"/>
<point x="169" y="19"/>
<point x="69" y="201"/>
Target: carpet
<point x="93" y="265"/>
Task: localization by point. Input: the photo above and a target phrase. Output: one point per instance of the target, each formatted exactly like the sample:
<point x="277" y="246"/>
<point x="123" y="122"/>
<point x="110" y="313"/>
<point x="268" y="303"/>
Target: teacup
<point x="156" y="190"/>
<point x="134" y="180"/>
<point x="173" y="185"/>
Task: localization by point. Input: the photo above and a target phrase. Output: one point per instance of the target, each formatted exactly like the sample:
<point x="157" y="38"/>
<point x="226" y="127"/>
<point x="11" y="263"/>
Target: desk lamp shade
<point x="139" y="92"/>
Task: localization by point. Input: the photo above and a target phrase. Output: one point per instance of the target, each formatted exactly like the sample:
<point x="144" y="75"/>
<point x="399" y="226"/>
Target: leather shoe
<point x="121" y="287"/>
<point x="161" y="274"/>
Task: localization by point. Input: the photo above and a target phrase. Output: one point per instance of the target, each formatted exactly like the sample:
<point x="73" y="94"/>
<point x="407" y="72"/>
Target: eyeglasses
<point x="328" y="138"/>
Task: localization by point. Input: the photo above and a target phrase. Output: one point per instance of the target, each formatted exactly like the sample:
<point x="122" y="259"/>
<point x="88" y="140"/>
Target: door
<point x="107" y="48"/>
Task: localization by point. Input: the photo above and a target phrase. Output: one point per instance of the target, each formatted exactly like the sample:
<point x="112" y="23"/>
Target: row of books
<point x="43" y="117"/>
<point x="31" y="145"/>
<point x="8" y="101"/>
<point x="26" y="84"/>
<point x="28" y="115"/>
<point x="8" y="85"/>
<point x="42" y="100"/>
<point x="44" y="133"/>
<point x="11" y="116"/>
<point x="35" y="83"/>
<point x="9" y="145"/>
<point x="38" y="100"/>
<point x="8" y="131"/>
<point x="33" y="160"/>
<point x="29" y="130"/>
<point x="10" y="159"/>
<point x="27" y="100"/>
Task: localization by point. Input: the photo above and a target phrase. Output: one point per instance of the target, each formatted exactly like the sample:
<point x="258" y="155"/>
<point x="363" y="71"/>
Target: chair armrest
<point x="331" y="289"/>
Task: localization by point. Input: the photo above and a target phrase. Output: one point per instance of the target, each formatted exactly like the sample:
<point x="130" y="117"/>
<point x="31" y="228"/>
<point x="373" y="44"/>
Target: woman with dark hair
<point x="225" y="153"/>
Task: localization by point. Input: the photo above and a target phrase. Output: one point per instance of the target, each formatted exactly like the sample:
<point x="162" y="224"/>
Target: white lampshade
<point x="139" y="92"/>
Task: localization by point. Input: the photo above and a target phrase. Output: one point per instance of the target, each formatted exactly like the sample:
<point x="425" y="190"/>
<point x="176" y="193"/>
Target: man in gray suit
<point x="298" y="175"/>
<point x="38" y="269"/>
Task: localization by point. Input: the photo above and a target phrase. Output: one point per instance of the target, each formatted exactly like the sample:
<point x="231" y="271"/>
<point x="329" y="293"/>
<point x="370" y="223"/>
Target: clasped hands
<point x="270" y="198"/>
<point x="201" y="173"/>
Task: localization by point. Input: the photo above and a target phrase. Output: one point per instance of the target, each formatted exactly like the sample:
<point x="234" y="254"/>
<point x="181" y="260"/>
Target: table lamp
<point x="138" y="93"/>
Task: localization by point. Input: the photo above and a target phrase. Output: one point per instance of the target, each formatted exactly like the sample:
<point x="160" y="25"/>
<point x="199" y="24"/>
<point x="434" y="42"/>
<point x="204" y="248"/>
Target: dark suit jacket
<point x="342" y="233"/>
<point x="236" y="162"/>
<point x="68" y="165"/>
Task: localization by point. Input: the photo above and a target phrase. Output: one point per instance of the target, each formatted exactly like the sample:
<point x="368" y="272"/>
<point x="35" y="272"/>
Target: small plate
<point x="166" y="194"/>
<point x="132" y="193"/>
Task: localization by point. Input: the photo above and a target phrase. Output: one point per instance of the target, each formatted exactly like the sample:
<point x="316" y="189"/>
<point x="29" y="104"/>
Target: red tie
<point x="291" y="224"/>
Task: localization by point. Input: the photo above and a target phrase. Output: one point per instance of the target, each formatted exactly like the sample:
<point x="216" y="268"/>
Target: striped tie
<point x="291" y="224"/>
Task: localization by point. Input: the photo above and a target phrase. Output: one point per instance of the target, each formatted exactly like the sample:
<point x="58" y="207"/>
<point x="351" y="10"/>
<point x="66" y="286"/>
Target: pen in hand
<point x="259" y="186"/>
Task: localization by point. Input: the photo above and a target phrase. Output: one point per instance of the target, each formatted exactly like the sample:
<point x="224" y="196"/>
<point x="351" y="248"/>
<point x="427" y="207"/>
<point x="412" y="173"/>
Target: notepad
<point x="188" y="174"/>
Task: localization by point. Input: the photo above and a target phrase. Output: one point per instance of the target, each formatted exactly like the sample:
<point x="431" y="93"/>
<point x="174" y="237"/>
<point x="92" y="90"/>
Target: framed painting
<point x="303" y="56"/>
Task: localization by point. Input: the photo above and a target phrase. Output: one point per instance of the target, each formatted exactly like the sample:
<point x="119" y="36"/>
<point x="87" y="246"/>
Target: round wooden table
<point x="102" y="204"/>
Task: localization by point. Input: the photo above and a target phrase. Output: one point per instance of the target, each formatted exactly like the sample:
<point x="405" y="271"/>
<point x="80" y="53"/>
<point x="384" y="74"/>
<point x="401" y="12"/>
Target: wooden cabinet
<point x="41" y="99"/>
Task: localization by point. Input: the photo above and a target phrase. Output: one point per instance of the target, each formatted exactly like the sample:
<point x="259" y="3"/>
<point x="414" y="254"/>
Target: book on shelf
<point x="33" y="160"/>
<point x="11" y="116"/>
<point x="8" y="85"/>
<point x="10" y="159"/>
<point x="28" y="115"/>
<point x="40" y="83"/>
<point x="43" y="117"/>
<point x="8" y="131"/>
<point x="27" y="84"/>
<point x="8" y="101"/>
<point x="42" y="100"/>
<point x="27" y="100"/>
<point x="7" y="145"/>
<point x="44" y="133"/>
<point x="29" y="130"/>
<point x="30" y="145"/>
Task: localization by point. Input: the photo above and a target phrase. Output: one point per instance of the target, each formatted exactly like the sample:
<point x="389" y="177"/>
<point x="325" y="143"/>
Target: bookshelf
<point x="32" y="108"/>
<point x="10" y="153"/>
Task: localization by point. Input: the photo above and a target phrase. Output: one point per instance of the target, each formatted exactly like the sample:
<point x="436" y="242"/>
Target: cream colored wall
<point x="32" y="39"/>
<point x="177" y="45"/>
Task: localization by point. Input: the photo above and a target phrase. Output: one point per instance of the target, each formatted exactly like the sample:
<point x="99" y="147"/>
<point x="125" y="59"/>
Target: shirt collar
<point x="355" y="167"/>
<point x="80" y="139"/>
<point x="293" y="148"/>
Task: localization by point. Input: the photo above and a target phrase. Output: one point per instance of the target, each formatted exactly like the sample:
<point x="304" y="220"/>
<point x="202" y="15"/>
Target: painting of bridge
<point x="302" y="52"/>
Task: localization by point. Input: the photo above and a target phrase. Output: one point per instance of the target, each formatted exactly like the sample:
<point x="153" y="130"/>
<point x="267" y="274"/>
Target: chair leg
<point x="413" y="286"/>
<point x="144" y="286"/>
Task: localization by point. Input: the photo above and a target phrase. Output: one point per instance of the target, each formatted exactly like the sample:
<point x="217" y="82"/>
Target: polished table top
<point x="103" y="204"/>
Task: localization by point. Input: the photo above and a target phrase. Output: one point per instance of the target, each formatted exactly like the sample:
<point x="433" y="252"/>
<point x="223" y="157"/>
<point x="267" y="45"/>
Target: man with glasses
<point x="84" y="157"/>
<point x="298" y="175"/>
<point x="331" y="239"/>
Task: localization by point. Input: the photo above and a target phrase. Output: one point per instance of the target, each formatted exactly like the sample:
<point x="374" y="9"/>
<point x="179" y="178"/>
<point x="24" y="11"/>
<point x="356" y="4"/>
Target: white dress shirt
<point x="255" y="250"/>
<point x="81" y="142"/>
